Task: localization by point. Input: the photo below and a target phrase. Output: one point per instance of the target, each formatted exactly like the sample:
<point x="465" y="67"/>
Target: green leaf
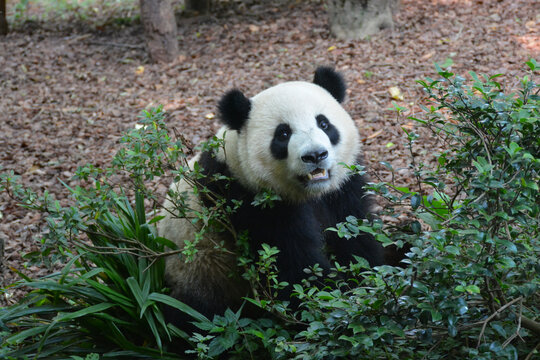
<point x="155" y="219"/>
<point x="167" y="300"/>
<point x="150" y="321"/>
<point x="84" y="312"/>
<point x="357" y="328"/>
<point x="444" y="74"/>
<point x="137" y="293"/>
<point x="472" y="289"/>
<point x="110" y="293"/>
<point x="365" y="340"/>
<point x="513" y="148"/>
<point x="507" y="262"/>
<point x="23" y="335"/>
<point x="429" y="219"/>
<point x="324" y="295"/>
<point x="451" y="249"/>
<point x="421" y="287"/>
<point x="447" y="63"/>
<point x="416" y="201"/>
<point x="349" y="339"/>
<point x="532" y="64"/>
<point x="436" y="315"/>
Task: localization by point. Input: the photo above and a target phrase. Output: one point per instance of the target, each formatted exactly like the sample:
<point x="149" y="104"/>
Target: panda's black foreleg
<point x="335" y="207"/>
<point x="299" y="251"/>
<point x="295" y="232"/>
<point x="363" y="245"/>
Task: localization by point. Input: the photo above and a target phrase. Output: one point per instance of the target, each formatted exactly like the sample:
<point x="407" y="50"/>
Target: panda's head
<point x="292" y="138"/>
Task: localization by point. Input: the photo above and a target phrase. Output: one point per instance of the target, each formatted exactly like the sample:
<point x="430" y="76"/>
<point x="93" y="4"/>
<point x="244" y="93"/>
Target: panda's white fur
<point x="210" y="282"/>
<point x="296" y="103"/>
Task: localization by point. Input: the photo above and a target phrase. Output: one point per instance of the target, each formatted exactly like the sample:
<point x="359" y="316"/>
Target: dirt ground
<point x="69" y="90"/>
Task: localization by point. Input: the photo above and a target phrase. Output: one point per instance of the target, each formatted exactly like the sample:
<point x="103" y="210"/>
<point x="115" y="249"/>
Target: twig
<point x="35" y="116"/>
<point x="129" y="46"/>
<point x="537" y="347"/>
<point x="459" y="214"/>
<point x="516" y="333"/>
<point x="383" y="65"/>
<point x="74" y="39"/>
<point x="530" y="325"/>
<point x="431" y="348"/>
<point x="497" y="312"/>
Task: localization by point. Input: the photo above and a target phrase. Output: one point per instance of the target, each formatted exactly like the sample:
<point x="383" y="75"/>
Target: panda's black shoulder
<point x="211" y="165"/>
<point x="226" y="185"/>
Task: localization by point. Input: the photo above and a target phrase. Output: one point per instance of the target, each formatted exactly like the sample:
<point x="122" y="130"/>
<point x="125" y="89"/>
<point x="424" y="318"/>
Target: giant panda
<point x="293" y="139"/>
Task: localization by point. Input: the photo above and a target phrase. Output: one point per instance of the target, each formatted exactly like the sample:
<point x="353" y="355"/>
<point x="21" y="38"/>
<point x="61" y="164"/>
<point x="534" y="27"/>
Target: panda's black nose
<point x="315" y="156"/>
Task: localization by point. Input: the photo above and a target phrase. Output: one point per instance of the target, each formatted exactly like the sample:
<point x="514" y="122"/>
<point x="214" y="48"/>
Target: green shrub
<point x="468" y="288"/>
<point x="108" y="297"/>
<point x="96" y="13"/>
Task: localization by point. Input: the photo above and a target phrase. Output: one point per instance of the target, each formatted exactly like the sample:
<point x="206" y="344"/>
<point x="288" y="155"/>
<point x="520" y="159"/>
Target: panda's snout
<point x="315" y="157"/>
<point x="316" y="167"/>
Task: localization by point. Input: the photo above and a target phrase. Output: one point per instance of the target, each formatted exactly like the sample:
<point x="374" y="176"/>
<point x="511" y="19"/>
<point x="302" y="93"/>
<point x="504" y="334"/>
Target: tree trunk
<point x="159" y="24"/>
<point x="199" y="6"/>
<point x="358" y="19"/>
<point x="3" y="21"/>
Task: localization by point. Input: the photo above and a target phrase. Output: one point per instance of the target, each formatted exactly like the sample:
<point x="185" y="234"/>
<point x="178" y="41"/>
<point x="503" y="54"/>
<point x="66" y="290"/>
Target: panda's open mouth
<point x="316" y="175"/>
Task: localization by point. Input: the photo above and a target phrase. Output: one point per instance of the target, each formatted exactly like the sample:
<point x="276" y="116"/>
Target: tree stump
<point x="358" y="19"/>
<point x="159" y="24"/>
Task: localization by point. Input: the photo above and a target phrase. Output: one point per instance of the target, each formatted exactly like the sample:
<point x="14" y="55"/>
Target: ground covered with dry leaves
<point x="70" y="89"/>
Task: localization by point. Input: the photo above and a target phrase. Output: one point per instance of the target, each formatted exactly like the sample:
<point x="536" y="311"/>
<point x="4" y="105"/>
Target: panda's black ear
<point x="234" y="108"/>
<point x="329" y="79"/>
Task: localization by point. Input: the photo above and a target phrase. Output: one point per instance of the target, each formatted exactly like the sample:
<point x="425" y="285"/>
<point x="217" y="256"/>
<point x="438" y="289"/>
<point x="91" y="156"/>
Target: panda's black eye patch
<point x="323" y="123"/>
<point x="283" y="132"/>
<point x="280" y="141"/>
<point x="331" y="131"/>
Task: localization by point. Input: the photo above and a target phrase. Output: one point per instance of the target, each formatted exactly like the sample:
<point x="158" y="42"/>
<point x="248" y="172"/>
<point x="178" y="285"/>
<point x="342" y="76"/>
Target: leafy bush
<point x="108" y="297"/>
<point x="93" y="12"/>
<point x="468" y="287"/>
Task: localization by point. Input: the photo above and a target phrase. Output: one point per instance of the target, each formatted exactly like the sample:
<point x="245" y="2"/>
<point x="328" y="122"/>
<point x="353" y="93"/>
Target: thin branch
<point x="537" y="347"/>
<point x="530" y="325"/>
<point x="128" y="46"/>
<point x="496" y="313"/>
<point x="432" y="348"/>
<point x="516" y="333"/>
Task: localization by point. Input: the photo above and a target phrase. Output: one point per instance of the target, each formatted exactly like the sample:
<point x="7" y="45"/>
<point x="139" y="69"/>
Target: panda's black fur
<point x="296" y="228"/>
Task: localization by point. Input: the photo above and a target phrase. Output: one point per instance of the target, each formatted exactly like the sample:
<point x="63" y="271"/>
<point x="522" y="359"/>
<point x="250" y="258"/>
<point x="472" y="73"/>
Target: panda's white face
<point x="293" y="142"/>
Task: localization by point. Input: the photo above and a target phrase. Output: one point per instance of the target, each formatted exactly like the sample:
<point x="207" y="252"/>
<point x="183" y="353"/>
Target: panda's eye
<point x="328" y="128"/>
<point x="283" y="135"/>
<point x="323" y="123"/>
<point x="283" y="132"/>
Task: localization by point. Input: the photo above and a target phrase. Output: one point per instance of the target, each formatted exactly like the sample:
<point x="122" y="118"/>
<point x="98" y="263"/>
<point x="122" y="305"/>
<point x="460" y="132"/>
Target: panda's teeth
<point x="318" y="174"/>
